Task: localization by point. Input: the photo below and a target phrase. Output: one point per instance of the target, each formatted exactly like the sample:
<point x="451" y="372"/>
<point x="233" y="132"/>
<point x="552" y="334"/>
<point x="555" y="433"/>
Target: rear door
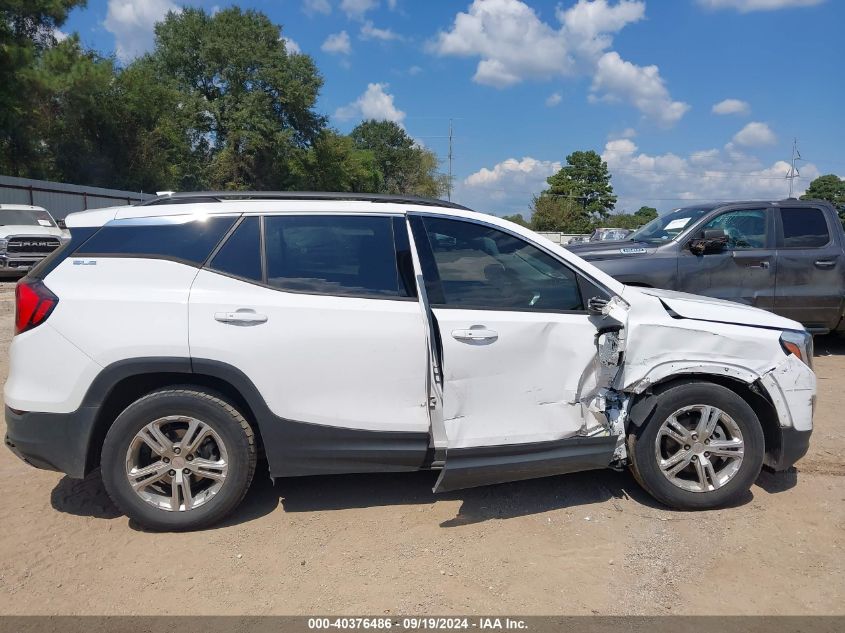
<point x="518" y="353"/>
<point x="316" y="312"/>
<point x="811" y="270"/>
<point x="745" y="270"/>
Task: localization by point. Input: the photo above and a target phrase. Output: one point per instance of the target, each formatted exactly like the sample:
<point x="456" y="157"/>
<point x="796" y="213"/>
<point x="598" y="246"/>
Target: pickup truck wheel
<point x="702" y="448"/>
<point x="178" y="459"/>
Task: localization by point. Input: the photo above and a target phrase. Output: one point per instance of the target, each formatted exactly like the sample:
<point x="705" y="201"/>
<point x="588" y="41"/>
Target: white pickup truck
<point x="27" y="235"/>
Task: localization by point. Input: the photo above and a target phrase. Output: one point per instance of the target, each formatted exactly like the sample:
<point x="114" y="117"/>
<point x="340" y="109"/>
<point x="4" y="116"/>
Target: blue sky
<point x="685" y="99"/>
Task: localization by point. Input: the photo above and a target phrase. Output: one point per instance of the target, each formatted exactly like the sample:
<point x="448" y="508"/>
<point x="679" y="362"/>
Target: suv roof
<point x="188" y="197"/>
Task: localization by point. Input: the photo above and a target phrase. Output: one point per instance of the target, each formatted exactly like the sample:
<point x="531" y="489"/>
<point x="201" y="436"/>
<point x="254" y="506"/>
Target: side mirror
<point x="709" y="241"/>
<point x="596" y="305"/>
<point x="61" y="224"/>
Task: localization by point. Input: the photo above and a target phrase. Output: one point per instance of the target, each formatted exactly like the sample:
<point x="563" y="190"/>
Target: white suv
<point x="337" y="333"/>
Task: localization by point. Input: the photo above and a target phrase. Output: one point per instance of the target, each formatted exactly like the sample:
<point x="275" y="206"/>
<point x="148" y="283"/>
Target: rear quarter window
<point x="189" y="242"/>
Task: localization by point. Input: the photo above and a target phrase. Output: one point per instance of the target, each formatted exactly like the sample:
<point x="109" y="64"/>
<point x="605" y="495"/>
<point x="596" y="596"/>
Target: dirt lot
<point x="577" y="544"/>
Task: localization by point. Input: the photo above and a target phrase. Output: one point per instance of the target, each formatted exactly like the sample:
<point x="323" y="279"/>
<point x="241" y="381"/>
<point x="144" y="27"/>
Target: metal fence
<point x="60" y="198"/>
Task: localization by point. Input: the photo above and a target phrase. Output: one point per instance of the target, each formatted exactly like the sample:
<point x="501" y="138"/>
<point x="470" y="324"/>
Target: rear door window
<point x="804" y="228"/>
<point x="334" y="255"/>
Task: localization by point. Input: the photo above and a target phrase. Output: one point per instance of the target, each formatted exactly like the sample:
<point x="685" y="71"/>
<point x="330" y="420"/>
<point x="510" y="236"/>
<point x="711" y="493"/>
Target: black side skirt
<point x="298" y="448"/>
<point x="471" y="467"/>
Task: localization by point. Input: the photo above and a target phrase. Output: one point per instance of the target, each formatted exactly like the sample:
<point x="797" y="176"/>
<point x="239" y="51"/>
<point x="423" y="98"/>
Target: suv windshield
<point x="25" y="217"/>
<point x="668" y="227"/>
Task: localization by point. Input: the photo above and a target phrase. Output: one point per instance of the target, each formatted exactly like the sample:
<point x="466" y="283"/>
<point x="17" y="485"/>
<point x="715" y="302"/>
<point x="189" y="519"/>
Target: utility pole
<point x="793" y="171"/>
<point x="449" y="188"/>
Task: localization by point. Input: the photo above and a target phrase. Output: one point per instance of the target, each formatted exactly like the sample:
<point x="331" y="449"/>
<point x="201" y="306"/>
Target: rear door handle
<point x="825" y="263"/>
<point x="475" y="334"/>
<point x="759" y="265"/>
<point x="241" y="316"/>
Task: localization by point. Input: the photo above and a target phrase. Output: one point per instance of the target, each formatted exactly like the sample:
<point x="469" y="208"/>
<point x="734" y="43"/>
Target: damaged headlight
<point x="799" y="344"/>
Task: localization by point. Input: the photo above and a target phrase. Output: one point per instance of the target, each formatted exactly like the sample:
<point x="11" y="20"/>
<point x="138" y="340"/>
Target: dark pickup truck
<point x="786" y="257"/>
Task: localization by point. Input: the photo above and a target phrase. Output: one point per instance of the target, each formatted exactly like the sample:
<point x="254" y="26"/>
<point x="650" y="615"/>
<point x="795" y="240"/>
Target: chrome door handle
<point x="241" y="317"/>
<point x="475" y="334"/>
<point x="825" y="263"/>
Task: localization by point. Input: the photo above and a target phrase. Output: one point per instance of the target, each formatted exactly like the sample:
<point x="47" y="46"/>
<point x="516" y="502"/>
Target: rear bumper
<point x="793" y="446"/>
<point x="52" y="441"/>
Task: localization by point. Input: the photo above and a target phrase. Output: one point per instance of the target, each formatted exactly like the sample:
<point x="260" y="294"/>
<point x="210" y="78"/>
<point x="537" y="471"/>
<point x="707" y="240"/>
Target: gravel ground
<point x="384" y="544"/>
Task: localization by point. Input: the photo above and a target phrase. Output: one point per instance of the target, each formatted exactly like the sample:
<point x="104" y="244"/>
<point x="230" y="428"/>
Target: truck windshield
<point x="25" y="217"/>
<point x="668" y="227"/>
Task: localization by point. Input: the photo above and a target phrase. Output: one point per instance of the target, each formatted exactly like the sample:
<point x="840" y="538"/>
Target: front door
<point x="811" y="268"/>
<point x="745" y="270"/>
<point x="518" y="353"/>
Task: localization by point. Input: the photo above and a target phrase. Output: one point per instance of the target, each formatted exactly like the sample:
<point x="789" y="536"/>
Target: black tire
<point x="644" y="462"/>
<point x="229" y="425"/>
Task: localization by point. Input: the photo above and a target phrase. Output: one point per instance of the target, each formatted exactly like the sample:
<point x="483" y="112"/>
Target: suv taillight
<point x="33" y="304"/>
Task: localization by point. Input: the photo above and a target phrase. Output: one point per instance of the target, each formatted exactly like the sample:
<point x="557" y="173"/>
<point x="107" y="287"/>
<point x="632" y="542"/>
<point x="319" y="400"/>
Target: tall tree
<point x="27" y="29"/>
<point x="562" y="215"/>
<point x="831" y="188"/>
<point x="517" y="219"/>
<point x="406" y="168"/>
<point x="585" y="179"/>
<point x="255" y="101"/>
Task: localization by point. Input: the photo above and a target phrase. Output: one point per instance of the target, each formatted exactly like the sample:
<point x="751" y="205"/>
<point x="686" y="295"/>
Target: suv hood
<point x="688" y="306"/>
<point x="611" y="249"/>
<point x="29" y="229"/>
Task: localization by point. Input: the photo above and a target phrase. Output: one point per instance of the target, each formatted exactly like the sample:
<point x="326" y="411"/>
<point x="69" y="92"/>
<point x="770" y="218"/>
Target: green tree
<point x="517" y="219"/>
<point x="559" y="214"/>
<point x="333" y="163"/>
<point x="632" y="220"/>
<point x="405" y="167"/>
<point x="831" y="188"/>
<point x="26" y="30"/>
<point x="253" y="105"/>
<point x="586" y="180"/>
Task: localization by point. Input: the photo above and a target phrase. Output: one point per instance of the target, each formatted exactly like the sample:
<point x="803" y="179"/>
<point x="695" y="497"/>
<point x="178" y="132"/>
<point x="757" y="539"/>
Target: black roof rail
<point x="188" y="197"/>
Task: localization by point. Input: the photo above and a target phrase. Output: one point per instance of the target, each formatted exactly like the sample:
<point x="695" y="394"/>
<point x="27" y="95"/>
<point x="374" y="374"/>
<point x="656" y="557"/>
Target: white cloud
<point x="337" y="44"/>
<point x="415" y="70"/>
<point x="642" y="86"/>
<point x="371" y="32"/>
<point x="513" y="45"/>
<point x="628" y="132"/>
<point x="755" y="134"/>
<point x="507" y="187"/>
<point x="391" y="4"/>
<point x="132" y="21"/>
<point x="553" y="99"/>
<point x="668" y="180"/>
<point x="731" y="106"/>
<point x="746" y="6"/>
<point x="375" y="103"/>
<point x="59" y="35"/>
<point x="355" y="9"/>
<point x="291" y="46"/>
<point x="311" y="7"/>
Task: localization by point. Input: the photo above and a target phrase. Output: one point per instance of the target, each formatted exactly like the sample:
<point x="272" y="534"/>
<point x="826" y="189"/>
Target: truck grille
<point x="32" y="245"/>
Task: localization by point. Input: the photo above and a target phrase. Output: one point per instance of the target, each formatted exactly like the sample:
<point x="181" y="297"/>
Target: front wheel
<point x="178" y="459"/>
<point x="702" y="447"/>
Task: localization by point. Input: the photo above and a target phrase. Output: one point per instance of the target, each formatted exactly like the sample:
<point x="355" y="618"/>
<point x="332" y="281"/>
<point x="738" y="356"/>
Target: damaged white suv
<point x="339" y="333"/>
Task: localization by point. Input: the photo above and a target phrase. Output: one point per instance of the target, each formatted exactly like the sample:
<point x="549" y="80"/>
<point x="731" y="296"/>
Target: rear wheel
<point x="702" y="448"/>
<point x="178" y="459"/>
